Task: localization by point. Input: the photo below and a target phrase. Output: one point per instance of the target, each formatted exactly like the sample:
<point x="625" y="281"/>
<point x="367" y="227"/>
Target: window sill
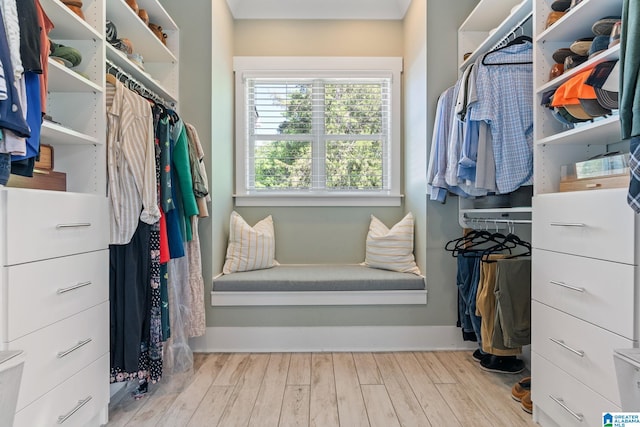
<point x="318" y="200"/>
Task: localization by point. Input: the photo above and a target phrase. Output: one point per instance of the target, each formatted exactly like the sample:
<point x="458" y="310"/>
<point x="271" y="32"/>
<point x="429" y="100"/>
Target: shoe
<point x="478" y="355"/>
<point x="527" y="405"/>
<point x="502" y="364"/>
<point x="521" y="388"/>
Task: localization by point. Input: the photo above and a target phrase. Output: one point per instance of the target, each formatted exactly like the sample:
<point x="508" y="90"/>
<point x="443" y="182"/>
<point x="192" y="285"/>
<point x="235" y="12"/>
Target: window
<point x="317" y="131"/>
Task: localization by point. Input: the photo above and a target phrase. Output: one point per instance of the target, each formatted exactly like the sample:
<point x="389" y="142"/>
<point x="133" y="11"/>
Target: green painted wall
<point x="209" y="38"/>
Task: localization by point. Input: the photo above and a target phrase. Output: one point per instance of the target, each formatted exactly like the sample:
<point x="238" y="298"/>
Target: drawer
<point x="49" y="224"/>
<point x="55" y="353"/>
<point x="599" y="292"/>
<point x="79" y="399"/>
<point x="563" y="398"/>
<point x="577" y="347"/>
<point x="597" y="224"/>
<point x="55" y="289"/>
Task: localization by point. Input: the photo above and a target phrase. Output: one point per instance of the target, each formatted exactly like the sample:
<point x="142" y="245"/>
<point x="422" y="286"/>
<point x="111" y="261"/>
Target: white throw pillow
<point x="391" y="249"/>
<point x="250" y="248"/>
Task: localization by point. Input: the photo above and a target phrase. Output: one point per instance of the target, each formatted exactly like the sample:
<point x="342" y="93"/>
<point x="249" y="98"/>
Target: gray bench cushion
<point x="318" y="277"/>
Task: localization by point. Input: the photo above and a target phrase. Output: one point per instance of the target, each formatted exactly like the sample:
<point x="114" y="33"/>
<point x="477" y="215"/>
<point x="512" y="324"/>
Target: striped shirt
<point x="131" y="163"/>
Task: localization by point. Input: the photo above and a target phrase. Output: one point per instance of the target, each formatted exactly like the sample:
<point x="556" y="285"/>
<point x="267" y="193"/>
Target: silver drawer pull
<point x="73" y="287"/>
<point x="81" y="403"/>
<point x="74" y="348"/>
<point x="564" y="285"/>
<point x="76" y="225"/>
<point x="560" y="402"/>
<point x="563" y="345"/>
<point x="567" y="224"/>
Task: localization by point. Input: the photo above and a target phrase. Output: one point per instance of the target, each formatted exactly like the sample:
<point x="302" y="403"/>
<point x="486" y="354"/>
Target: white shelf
<point x="143" y="77"/>
<point x="488" y="14"/>
<point x="577" y="22"/>
<point x="600" y="132"/>
<point x="611" y="54"/>
<point x="158" y="14"/>
<point x="53" y="133"/>
<point x="68" y="26"/>
<point x="63" y="79"/>
<point x="130" y="26"/>
<point x="505" y="26"/>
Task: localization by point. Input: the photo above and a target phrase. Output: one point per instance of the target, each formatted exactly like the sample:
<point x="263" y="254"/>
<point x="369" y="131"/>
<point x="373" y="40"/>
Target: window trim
<point x="269" y="66"/>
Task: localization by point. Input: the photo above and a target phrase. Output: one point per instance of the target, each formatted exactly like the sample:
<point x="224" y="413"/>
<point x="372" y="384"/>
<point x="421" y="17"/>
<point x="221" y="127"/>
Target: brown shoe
<point x="526" y="403"/>
<point x="520" y="388"/>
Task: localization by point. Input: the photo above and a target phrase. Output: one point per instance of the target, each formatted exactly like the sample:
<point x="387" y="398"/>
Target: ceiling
<point x="319" y="9"/>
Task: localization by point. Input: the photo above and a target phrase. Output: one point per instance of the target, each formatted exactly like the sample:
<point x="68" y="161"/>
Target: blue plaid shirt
<point x="505" y="102"/>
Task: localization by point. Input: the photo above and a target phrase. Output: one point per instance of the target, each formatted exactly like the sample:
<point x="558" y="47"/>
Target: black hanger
<point x="517" y="40"/>
<point x="520" y="40"/>
<point x="470" y="237"/>
<point x="511" y="241"/>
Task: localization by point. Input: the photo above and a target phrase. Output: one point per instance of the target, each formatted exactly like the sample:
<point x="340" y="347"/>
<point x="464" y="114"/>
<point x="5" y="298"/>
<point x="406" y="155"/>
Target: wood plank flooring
<point x="419" y="389"/>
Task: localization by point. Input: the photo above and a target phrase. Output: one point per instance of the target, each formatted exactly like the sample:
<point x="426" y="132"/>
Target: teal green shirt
<point x="630" y="69"/>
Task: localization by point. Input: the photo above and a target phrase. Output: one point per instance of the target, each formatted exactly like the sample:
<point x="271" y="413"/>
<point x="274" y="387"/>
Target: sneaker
<point x="526" y="403"/>
<point x="521" y="388"/>
<point x="502" y="364"/>
<point x="478" y="355"/>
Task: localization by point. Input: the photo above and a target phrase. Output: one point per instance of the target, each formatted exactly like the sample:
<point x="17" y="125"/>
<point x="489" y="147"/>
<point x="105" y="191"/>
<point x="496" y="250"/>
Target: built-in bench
<point x="318" y="284"/>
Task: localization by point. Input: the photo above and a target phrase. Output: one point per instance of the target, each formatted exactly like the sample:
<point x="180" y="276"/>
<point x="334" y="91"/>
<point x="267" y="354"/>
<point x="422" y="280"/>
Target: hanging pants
<point x="130" y="298"/>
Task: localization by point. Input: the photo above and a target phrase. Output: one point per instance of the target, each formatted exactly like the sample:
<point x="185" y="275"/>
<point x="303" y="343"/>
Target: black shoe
<point x="502" y="364"/>
<point x="478" y="356"/>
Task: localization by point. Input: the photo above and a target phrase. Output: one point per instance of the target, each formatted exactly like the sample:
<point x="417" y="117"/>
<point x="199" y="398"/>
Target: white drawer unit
<point x="579" y="348"/>
<point x="595" y="224"/>
<point x="54" y="303"/>
<point x="54" y="353"/>
<point x="48" y="224"/>
<point x="74" y="403"/>
<point x="55" y="289"/>
<point x="566" y="402"/>
<point x="599" y="292"/>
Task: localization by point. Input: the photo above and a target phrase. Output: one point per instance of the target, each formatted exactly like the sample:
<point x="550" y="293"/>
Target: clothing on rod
<point x="482" y="141"/>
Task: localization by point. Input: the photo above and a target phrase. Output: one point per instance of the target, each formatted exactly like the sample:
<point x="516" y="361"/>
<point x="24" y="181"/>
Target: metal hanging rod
<point x="137" y="85"/>
<point x="496" y="220"/>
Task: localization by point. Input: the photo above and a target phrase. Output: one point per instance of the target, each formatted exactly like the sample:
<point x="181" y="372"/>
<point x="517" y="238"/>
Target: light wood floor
<point x="443" y="389"/>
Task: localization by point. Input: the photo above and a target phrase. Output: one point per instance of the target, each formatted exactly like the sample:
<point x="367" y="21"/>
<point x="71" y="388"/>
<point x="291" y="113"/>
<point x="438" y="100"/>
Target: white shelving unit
<point x="585" y="256"/>
<point x="54" y="259"/>
<point x="53" y="256"/>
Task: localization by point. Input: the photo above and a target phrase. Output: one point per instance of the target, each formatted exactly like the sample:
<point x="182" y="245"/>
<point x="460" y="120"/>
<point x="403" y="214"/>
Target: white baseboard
<point x="330" y="338"/>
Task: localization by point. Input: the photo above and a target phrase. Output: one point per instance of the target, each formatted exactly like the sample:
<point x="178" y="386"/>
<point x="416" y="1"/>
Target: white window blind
<point x="316" y="133"/>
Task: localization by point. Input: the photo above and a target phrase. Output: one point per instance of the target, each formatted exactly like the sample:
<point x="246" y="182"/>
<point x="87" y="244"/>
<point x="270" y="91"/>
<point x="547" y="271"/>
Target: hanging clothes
<point x="494" y="288"/>
<point x="130" y="163"/>
<point x="487" y="309"/>
<point x="482" y="142"/>
<point x="151" y="166"/>
<point x="504" y="84"/>
<point x="512" y="326"/>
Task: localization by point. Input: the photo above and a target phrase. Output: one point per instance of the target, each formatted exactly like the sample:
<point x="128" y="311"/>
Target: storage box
<point x="46" y="158"/>
<point x="612" y="181"/>
<point x="609" y="170"/>
<point x="627" y="364"/>
<point x="41" y="180"/>
<point x="11" y="364"/>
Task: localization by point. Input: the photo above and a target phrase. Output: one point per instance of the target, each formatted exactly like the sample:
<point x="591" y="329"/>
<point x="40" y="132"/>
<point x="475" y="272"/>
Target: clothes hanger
<point x="511" y="241"/>
<point x="517" y="40"/>
<point x="110" y="78"/>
